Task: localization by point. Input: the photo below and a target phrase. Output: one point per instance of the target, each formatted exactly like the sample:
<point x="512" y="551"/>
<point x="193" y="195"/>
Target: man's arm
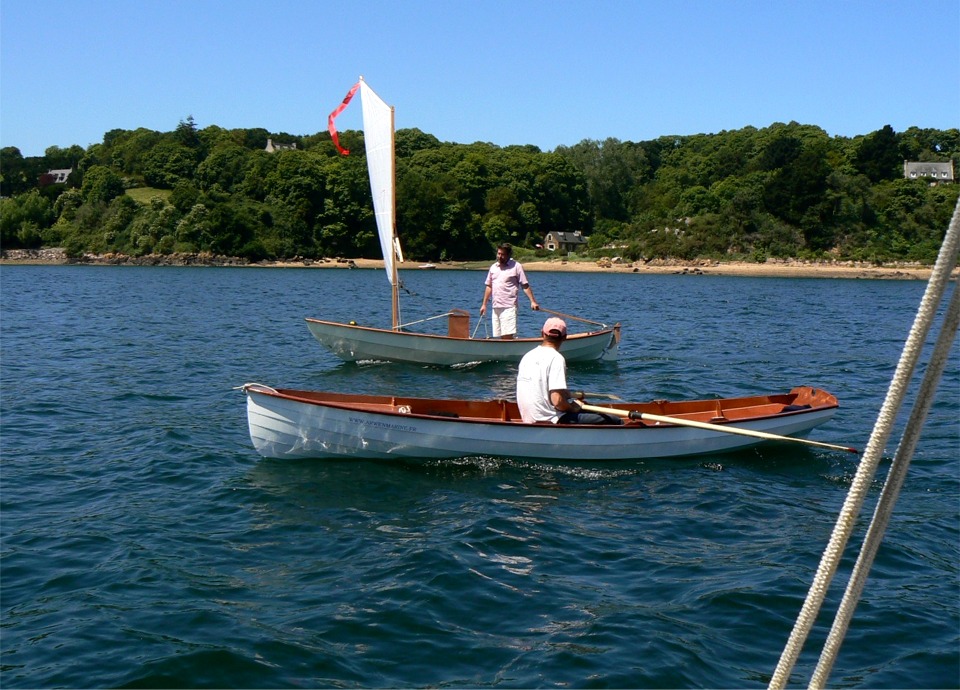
<point x="560" y="399"/>
<point x="529" y="292"/>
<point x="483" y="303"/>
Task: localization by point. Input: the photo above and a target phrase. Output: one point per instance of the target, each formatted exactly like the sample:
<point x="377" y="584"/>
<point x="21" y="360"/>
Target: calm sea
<point x="145" y="544"/>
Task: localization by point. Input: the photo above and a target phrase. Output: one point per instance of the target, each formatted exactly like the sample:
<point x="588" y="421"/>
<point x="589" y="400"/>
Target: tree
<point x="101" y="185"/>
<point x="168" y="163"/>
<point x="60" y="159"/>
<point x="612" y="170"/>
<point x="124" y="150"/>
<point x="18" y="175"/>
<point x="878" y="156"/>
<point x="186" y="133"/>
<point x="226" y="166"/>
<point x="787" y="189"/>
<point x="22" y="219"/>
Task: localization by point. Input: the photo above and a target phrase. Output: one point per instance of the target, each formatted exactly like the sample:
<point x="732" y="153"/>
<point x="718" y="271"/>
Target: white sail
<point x="378" y="140"/>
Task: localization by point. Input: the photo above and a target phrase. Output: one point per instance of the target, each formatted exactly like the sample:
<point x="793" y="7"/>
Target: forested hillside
<point x="787" y="190"/>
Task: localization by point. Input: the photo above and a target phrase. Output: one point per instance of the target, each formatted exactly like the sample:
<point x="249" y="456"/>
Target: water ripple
<point x="145" y="545"/>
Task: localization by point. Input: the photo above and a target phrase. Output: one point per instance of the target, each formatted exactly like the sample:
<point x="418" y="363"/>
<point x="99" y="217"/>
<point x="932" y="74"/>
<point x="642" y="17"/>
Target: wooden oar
<point x="571" y="316"/>
<point x="644" y="416"/>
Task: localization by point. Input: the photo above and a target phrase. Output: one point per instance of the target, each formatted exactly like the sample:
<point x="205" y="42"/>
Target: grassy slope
<point x="143" y="195"/>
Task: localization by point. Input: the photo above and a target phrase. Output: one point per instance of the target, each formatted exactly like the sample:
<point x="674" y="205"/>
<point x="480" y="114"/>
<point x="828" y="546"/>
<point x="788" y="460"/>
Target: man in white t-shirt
<point x="504" y="281"/>
<point x="542" y="393"/>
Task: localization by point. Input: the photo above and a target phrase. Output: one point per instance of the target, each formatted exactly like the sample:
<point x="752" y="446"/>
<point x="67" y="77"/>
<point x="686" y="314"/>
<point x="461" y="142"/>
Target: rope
<point x="936" y="287"/>
<point x="890" y="492"/>
<point x="429" y="318"/>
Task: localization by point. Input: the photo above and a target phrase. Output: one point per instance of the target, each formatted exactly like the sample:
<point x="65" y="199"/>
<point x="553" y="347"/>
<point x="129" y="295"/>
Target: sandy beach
<point x="776" y="268"/>
<point x="770" y="269"/>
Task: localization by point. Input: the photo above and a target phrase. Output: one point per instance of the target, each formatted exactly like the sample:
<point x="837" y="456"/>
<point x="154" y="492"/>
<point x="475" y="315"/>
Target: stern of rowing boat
<point x="813" y="397"/>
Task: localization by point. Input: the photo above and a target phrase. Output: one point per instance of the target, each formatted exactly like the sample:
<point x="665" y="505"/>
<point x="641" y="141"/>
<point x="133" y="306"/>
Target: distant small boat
<point x="288" y="423"/>
<point x="427" y="266"/>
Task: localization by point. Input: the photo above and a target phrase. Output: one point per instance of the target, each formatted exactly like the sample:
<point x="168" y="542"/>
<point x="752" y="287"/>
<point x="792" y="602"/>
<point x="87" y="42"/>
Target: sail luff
<point x="378" y="129"/>
<point x="378" y="141"/>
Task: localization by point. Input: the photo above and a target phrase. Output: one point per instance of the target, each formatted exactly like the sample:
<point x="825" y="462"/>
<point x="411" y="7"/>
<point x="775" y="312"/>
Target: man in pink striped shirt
<point x="504" y="281"/>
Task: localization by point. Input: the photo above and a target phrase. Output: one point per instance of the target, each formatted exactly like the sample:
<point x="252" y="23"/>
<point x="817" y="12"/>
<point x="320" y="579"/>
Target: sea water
<point x="145" y="544"/>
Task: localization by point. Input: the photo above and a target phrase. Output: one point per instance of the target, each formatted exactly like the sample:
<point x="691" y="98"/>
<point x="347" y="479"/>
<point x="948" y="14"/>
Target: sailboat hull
<point x="361" y="343"/>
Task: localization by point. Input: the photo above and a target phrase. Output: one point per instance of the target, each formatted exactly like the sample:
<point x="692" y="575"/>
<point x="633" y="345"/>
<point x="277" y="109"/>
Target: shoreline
<point x="773" y="268"/>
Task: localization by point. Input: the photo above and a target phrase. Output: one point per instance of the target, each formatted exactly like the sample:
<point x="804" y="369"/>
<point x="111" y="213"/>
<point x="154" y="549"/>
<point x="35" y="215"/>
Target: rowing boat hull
<point x="304" y="424"/>
<point x="354" y="343"/>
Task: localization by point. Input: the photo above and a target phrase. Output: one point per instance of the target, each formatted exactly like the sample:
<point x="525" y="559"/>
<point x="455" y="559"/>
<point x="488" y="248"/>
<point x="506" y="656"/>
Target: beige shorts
<point x="504" y="321"/>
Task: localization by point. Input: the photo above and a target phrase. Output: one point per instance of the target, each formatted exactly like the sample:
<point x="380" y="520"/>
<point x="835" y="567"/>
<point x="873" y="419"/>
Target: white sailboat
<point x="362" y="343"/>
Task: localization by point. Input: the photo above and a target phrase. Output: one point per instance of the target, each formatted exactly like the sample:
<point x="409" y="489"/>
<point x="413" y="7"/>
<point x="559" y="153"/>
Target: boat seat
<point x="458" y="323"/>
<point x="754" y="411"/>
<point x="718" y="414"/>
<point x="504" y="410"/>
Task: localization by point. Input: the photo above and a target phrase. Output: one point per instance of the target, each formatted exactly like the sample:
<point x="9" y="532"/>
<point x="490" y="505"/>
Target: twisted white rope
<point x="936" y="287"/>
<point x="891" y="491"/>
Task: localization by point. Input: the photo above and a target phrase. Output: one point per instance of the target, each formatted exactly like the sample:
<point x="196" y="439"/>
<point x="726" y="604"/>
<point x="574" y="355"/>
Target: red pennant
<point x="333" y="116"/>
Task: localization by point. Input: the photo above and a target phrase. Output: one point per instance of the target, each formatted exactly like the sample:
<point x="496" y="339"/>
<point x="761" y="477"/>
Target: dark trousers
<point x="587" y="418"/>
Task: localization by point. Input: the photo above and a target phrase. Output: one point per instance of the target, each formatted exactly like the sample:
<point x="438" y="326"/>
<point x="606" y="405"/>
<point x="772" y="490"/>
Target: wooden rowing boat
<point x="288" y="423"/>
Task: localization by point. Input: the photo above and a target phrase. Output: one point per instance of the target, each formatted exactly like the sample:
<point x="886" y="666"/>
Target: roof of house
<point x="569" y="237"/>
<point x="928" y="169"/>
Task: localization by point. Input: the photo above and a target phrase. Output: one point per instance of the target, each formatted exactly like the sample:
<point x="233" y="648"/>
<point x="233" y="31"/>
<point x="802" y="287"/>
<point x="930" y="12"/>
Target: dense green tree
<point x="783" y="190"/>
<point x="410" y="141"/>
<point x="612" y="170"/>
<point x="18" y="174"/>
<point x="62" y="159"/>
<point x="225" y="166"/>
<point x="346" y="223"/>
<point x="878" y="155"/>
<point x="101" y="185"/>
<point x="168" y="163"/>
<point x="124" y="150"/>
<point x="186" y="133"/>
<point x="23" y="218"/>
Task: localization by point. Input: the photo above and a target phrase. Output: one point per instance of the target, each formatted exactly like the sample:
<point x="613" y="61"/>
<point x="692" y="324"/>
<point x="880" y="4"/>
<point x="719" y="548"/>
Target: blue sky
<point x="537" y="72"/>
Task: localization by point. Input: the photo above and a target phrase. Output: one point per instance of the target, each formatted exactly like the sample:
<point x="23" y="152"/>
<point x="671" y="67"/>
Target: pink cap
<point x="555" y="327"/>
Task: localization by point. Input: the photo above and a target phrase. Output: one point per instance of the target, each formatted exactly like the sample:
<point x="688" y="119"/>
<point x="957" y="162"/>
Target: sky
<point x="541" y="72"/>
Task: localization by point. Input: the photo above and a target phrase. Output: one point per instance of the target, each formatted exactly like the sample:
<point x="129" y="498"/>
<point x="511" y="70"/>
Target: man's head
<point x="555" y="329"/>
<point x="504" y="252"/>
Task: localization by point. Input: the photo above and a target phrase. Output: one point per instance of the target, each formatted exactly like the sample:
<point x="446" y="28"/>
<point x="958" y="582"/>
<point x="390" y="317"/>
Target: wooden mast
<point x="394" y="280"/>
